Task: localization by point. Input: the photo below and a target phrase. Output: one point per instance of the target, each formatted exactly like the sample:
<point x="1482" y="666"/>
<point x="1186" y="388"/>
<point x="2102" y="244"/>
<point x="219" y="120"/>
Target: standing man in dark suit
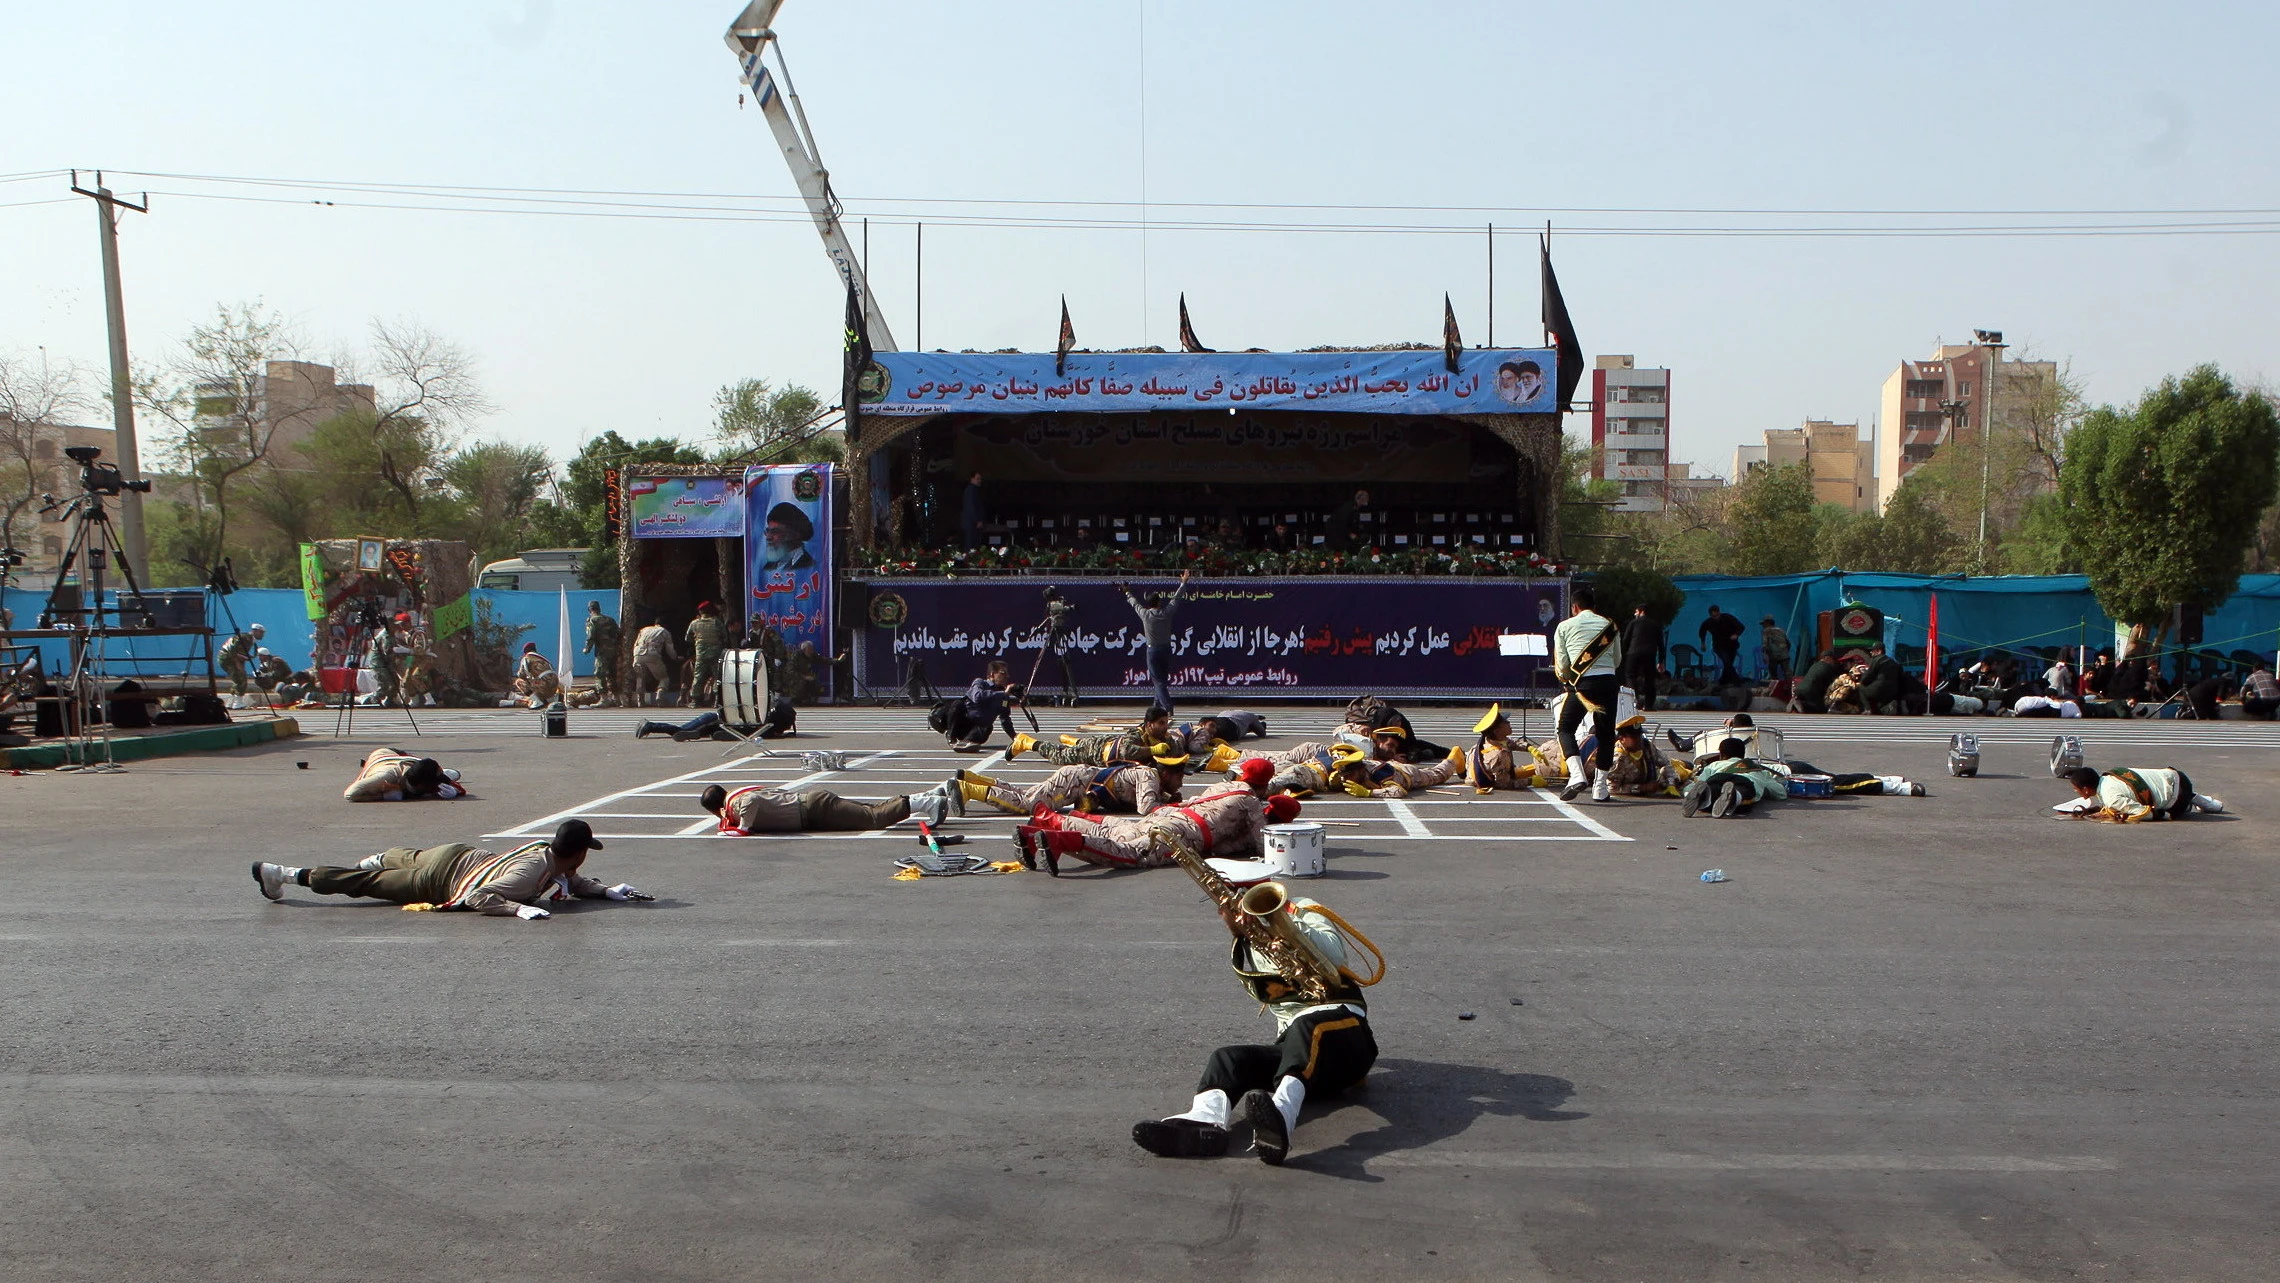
<point x="1642" y="655"/>
<point x="1723" y="633"/>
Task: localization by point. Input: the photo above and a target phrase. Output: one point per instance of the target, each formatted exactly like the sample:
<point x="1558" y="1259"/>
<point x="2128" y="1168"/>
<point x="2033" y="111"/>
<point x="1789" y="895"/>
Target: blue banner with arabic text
<point x="1280" y="638"/>
<point x="1487" y="381"/>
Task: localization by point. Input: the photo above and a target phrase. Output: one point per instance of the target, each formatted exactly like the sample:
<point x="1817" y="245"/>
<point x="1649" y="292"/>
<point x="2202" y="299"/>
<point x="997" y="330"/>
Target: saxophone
<point x="1265" y="927"/>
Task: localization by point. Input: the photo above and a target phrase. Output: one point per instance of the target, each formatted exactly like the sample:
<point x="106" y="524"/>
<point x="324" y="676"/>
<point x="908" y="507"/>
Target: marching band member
<point x="392" y="775"/>
<point x="1230" y="823"/>
<point x="1120" y="788"/>
<point x="1640" y="769"/>
<point x="1321" y="1047"/>
<point x="1493" y="763"/>
<point x="760" y="809"/>
<point x="1395" y="779"/>
<point x="1101" y="747"/>
<point x="2135" y="794"/>
<point x="1307" y="768"/>
<point x="456" y="876"/>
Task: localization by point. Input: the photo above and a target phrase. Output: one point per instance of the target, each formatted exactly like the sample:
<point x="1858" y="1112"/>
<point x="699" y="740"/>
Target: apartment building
<point x="1630" y="431"/>
<point x="1842" y="461"/>
<point x="1959" y="392"/>
<point x="290" y="399"/>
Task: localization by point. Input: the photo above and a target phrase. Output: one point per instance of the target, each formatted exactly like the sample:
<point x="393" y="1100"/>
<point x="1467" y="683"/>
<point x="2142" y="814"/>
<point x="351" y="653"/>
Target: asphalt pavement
<point x="1951" y="1037"/>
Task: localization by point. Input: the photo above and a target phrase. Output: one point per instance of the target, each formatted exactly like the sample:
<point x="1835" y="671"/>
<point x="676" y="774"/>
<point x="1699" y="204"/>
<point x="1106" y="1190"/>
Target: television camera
<point x="102" y="478"/>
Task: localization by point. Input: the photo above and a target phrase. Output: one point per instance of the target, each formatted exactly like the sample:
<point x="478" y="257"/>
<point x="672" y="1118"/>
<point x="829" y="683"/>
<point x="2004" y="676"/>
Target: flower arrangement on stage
<point x="1208" y="560"/>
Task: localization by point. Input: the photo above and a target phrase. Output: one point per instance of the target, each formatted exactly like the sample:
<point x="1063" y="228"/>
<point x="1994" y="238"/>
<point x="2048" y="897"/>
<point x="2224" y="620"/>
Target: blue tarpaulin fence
<point x="1977" y="612"/>
<point x="287" y="631"/>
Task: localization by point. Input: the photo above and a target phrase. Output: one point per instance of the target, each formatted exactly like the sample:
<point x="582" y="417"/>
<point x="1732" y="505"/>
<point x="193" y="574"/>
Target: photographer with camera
<point x="989" y="699"/>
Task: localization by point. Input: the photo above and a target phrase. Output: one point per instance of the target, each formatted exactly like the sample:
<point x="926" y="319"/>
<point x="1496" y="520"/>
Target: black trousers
<point x="1328" y="1050"/>
<point x="1642" y="682"/>
<point x="1727" y="654"/>
<point x="1599" y="690"/>
<point x="2183" y="806"/>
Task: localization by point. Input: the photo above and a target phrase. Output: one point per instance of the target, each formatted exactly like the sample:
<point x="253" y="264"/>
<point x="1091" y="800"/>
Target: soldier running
<point x="602" y="640"/>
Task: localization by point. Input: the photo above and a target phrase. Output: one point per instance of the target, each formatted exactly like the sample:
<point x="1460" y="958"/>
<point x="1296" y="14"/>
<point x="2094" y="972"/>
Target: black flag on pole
<point x="1562" y="331"/>
<point x="1452" y="342"/>
<point x="1188" y="341"/>
<point x="1067" y="342"/>
<point x="857" y="350"/>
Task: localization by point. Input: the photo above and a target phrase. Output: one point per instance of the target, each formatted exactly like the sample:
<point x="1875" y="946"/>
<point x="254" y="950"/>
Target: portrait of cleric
<point x="787" y="533"/>
<point x="1521" y="382"/>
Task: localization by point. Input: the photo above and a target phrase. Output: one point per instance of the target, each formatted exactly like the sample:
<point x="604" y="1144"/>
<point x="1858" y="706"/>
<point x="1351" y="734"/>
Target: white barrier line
<point x="1568" y="809"/>
<point x="1411" y="826"/>
<point x="531" y="828"/>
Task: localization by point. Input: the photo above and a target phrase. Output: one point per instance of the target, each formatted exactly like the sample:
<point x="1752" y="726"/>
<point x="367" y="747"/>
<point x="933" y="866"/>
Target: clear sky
<point x="953" y="112"/>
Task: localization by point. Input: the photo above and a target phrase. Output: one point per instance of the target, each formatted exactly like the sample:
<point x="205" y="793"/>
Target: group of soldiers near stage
<point x="661" y="666"/>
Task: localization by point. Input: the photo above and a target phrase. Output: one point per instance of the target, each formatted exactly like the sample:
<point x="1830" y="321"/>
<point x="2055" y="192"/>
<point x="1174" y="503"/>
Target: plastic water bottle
<point x="1714" y="875"/>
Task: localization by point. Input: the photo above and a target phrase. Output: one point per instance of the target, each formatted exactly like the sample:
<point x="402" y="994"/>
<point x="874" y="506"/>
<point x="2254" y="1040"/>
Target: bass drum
<point x="743" y="687"/>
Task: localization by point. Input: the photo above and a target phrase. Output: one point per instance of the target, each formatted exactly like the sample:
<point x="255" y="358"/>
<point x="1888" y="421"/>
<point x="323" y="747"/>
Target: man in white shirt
<point x="2134" y="794"/>
<point x="1586" y="653"/>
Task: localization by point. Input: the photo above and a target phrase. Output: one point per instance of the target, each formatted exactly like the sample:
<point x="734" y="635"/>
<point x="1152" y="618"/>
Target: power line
<point x="394" y="187"/>
<point x="685" y="213"/>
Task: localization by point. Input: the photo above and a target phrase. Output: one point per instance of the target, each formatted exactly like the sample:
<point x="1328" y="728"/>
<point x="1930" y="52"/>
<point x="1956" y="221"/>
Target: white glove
<point x="531" y="912"/>
<point x="446" y="792"/>
<point x="626" y="891"/>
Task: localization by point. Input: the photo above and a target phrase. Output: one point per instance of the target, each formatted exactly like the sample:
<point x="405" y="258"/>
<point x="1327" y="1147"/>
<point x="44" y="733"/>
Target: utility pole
<point x="1992" y="341"/>
<point x="127" y="454"/>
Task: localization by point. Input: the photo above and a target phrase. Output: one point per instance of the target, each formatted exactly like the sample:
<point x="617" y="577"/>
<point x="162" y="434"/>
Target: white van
<point x="535" y="570"/>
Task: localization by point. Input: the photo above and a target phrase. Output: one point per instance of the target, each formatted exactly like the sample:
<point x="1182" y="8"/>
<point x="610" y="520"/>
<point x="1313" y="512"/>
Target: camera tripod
<point x="391" y="682"/>
<point x="96" y="546"/>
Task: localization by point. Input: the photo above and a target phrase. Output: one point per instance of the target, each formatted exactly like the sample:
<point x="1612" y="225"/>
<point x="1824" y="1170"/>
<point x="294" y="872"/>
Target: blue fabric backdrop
<point x="2003" y="611"/>
<point x="284" y="614"/>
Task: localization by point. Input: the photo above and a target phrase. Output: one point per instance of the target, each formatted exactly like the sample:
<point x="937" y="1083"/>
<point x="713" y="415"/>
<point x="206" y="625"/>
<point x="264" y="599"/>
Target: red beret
<point x="1282" y="808"/>
<point x="1255" y="771"/>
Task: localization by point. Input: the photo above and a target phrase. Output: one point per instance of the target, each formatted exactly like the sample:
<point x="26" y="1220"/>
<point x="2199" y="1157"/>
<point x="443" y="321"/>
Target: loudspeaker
<point x="172" y="609"/>
<point x="2189" y="623"/>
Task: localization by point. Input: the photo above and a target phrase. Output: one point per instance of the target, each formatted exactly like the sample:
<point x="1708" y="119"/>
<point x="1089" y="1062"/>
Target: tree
<point x="752" y="417"/>
<point x="1913" y="537"/>
<point x="219" y="424"/>
<point x="1772" y="522"/>
<point x="497" y="486"/>
<point x="424" y="390"/>
<point x="35" y="399"/>
<point x="2162" y="500"/>
<point x="1619" y="588"/>
<point x="578" y="518"/>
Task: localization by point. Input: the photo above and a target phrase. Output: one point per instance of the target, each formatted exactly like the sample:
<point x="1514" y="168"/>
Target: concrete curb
<point x="201" y="739"/>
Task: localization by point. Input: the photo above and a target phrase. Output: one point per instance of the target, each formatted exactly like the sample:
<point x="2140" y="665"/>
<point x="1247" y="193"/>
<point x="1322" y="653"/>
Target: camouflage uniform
<point x="602" y="640"/>
<point x="705" y="638"/>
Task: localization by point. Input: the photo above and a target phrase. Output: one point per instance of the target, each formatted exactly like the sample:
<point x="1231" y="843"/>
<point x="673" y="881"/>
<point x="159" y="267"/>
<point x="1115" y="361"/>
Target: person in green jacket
<point x="1731" y="784"/>
<point x="1811" y="693"/>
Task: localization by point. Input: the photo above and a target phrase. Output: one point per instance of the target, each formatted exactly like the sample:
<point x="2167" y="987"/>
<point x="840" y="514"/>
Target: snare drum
<point x="1295" y="850"/>
<point x="1811" y="786"/>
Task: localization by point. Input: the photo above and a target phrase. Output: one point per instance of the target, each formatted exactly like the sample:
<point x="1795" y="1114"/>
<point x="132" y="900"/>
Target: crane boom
<point x="748" y="38"/>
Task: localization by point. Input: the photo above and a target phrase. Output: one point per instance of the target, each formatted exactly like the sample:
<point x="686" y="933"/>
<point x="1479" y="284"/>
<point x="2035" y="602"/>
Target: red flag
<point x="1932" y="652"/>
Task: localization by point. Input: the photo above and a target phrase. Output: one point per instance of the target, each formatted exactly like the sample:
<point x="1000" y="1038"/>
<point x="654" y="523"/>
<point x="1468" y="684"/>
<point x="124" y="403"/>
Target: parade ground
<point x="1949" y="1037"/>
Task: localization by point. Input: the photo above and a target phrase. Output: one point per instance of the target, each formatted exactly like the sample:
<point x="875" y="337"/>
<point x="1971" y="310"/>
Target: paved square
<point x="1951" y="1037"/>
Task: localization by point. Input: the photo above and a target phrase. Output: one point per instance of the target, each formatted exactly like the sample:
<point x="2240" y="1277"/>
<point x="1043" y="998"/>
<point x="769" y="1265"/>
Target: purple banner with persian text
<point x="1278" y="638"/>
<point x="1486" y="381"/>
